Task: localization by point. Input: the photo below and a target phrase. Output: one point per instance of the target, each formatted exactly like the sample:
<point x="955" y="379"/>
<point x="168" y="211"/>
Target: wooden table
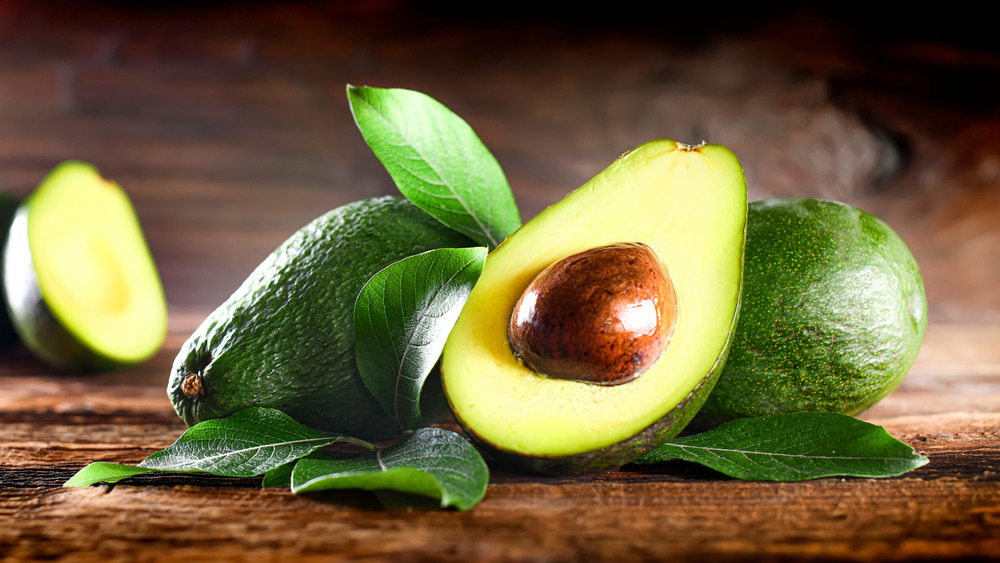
<point x="53" y="425"/>
<point x="229" y="128"/>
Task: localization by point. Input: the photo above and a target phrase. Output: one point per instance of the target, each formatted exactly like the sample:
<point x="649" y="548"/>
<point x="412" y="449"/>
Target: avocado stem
<point x="191" y="386"/>
<point x="359" y="442"/>
<point x="684" y="147"/>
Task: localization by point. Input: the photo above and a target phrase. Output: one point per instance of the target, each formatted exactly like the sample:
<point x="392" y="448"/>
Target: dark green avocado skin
<point x="8" y="207"/>
<point x="285" y="338"/>
<point x="833" y="315"/>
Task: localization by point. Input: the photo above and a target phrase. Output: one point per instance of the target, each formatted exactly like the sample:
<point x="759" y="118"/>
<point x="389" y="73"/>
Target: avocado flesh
<point x="834" y="313"/>
<point x="689" y="205"/>
<point x="285" y="338"/>
<point x="81" y="286"/>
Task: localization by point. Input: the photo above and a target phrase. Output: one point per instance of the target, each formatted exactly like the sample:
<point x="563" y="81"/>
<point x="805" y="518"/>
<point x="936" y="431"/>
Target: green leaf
<point x="282" y="476"/>
<point x="793" y="447"/>
<point x="102" y="472"/>
<point x="431" y="462"/>
<point x="278" y="477"/>
<point x="437" y="161"/>
<point x="402" y="318"/>
<point x="245" y="444"/>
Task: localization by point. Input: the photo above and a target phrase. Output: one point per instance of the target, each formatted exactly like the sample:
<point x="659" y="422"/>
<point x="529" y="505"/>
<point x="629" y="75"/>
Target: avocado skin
<point x="285" y="338"/>
<point x="834" y="313"/>
<point x="8" y="208"/>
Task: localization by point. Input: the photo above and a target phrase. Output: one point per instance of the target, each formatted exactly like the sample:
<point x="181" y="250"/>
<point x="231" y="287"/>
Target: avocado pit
<point x="602" y="316"/>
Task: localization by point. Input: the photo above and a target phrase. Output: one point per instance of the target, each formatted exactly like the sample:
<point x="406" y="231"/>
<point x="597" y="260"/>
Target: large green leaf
<point x="431" y="462"/>
<point x="245" y="444"/>
<point x="402" y="318"/>
<point x="793" y="447"/>
<point x="437" y="161"/>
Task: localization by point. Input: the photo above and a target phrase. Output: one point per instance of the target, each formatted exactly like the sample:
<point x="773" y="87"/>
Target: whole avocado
<point x="285" y="338"/>
<point x="833" y="313"/>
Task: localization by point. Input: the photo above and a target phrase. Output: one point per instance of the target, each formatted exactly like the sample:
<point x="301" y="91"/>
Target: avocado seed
<point x="602" y="316"/>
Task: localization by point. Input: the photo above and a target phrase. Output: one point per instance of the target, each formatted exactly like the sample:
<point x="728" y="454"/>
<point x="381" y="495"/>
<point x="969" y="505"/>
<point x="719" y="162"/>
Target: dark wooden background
<point x="227" y="123"/>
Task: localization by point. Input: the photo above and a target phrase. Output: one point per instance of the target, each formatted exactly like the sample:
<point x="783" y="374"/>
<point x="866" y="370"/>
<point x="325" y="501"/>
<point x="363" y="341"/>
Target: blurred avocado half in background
<point x="81" y="289"/>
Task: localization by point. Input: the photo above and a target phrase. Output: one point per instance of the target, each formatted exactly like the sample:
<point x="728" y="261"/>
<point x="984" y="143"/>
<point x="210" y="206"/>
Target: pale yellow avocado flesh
<point x="689" y="205"/>
<point x="92" y="264"/>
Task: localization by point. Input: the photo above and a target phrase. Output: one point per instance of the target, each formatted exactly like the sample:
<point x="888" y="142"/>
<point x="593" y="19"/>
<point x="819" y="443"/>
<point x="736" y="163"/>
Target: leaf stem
<point x="358" y="442"/>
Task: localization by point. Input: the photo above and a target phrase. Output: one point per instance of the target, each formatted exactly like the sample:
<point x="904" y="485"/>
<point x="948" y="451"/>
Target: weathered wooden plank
<point x="950" y="508"/>
<point x="947" y="509"/>
<point x="844" y="519"/>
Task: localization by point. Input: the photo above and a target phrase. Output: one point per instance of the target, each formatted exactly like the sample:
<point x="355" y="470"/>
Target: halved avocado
<point x="686" y="203"/>
<point x="80" y="284"/>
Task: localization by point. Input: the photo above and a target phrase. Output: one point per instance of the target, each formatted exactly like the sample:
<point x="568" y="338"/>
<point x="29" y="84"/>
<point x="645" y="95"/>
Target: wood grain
<point x="228" y="126"/>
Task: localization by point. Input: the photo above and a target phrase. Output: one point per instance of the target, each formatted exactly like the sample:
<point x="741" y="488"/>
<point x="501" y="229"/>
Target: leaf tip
<point x="80" y="478"/>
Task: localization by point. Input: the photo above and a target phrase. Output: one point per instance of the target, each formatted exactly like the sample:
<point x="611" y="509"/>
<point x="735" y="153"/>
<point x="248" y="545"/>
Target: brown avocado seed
<point x="602" y="316"/>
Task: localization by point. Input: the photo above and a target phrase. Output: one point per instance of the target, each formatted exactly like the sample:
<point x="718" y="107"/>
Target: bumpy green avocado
<point x="833" y="314"/>
<point x="285" y="338"/>
<point x="80" y="284"/>
<point x="8" y="207"/>
<point x="687" y="206"/>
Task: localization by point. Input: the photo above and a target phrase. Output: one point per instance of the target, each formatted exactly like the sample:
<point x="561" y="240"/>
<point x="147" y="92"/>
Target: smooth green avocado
<point x="833" y="314"/>
<point x="285" y="338"/>
<point x="685" y="203"/>
<point x="79" y="282"/>
<point x="8" y="207"/>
